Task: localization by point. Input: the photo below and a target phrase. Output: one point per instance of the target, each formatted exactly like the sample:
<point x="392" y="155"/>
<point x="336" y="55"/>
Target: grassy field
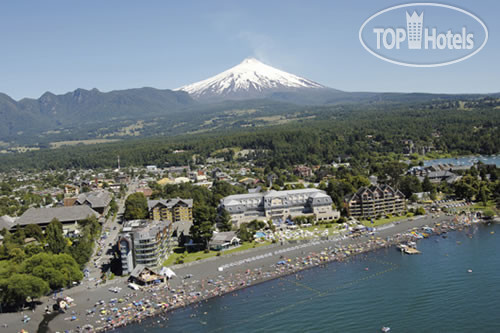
<point x="200" y="255"/>
<point x="481" y="206"/>
<point x="59" y="144"/>
<point x="322" y="227"/>
<point x="383" y="221"/>
<point x="489" y="205"/>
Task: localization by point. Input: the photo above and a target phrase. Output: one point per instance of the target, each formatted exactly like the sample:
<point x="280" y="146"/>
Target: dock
<point x="411" y="250"/>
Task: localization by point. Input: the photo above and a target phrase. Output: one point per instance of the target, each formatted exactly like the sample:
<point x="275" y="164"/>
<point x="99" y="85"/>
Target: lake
<point x="431" y="292"/>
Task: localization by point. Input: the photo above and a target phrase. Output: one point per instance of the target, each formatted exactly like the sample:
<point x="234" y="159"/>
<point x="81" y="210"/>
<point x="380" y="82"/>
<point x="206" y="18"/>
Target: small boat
<point x="402" y="247"/>
<point x="385" y="329"/>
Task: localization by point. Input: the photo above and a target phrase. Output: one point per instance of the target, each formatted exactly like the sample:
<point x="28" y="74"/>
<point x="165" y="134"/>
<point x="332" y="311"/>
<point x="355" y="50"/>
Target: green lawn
<point x="480" y="206"/>
<point x="321" y="227"/>
<point x="383" y="221"/>
<point x="200" y="255"/>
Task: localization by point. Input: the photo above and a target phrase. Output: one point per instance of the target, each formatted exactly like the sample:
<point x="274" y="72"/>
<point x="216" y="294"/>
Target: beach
<point x="104" y="310"/>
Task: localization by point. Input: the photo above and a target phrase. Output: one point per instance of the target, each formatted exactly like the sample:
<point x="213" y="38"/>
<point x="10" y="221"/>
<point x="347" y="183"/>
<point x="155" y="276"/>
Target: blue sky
<point x="59" y="46"/>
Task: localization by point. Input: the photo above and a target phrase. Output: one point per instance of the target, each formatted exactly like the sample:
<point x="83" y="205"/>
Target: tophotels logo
<point x="447" y="35"/>
<point x="414" y="27"/>
<point x="413" y="33"/>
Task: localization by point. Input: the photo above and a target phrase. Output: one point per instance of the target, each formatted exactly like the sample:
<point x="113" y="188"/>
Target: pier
<point x="411" y="250"/>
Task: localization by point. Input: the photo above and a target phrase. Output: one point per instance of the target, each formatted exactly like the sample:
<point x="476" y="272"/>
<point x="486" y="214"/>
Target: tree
<point x="467" y="187"/>
<point x="59" y="270"/>
<point x="81" y="251"/>
<point x="16" y="255"/>
<point x="244" y="234"/>
<point x="56" y="243"/>
<point x="483" y="195"/>
<point x="202" y="232"/>
<point x="91" y="228"/>
<point x="420" y="211"/>
<point x="427" y="186"/>
<point x="113" y="207"/>
<point x="18" y="287"/>
<point x="224" y="221"/>
<point x="136" y="207"/>
<point x="34" y="230"/>
<point x="409" y="185"/>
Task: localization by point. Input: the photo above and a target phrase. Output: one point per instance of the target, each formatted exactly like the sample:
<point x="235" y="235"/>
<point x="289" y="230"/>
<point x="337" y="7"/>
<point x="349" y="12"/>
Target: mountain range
<point x="248" y="86"/>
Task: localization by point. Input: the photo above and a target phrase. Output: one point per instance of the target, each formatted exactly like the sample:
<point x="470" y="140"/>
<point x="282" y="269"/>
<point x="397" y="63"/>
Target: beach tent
<point x="166" y="271"/>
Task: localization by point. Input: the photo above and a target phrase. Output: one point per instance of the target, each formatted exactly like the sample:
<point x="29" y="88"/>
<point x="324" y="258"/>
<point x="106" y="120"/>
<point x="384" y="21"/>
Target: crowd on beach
<point x="157" y="299"/>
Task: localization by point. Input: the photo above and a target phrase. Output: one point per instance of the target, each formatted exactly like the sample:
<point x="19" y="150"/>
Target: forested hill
<point x="145" y="112"/>
<point x="51" y="112"/>
<point x="342" y="131"/>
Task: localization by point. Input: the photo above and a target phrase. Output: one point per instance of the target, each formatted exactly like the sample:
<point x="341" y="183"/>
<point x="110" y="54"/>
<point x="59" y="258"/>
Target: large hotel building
<point x="376" y="200"/>
<point x="171" y="210"/>
<point x="277" y="206"/>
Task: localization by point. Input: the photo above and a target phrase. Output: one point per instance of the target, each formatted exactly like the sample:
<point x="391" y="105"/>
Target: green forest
<point x="350" y="132"/>
<point x="49" y="262"/>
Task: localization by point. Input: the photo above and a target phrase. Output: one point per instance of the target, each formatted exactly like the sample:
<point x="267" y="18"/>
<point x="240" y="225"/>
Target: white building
<point x="144" y="243"/>
<point x="277" y="206"/>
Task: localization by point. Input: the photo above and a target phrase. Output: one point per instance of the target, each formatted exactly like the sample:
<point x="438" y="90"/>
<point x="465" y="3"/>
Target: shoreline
<point x="99" y="310"/>
<point x="324" y="259"/>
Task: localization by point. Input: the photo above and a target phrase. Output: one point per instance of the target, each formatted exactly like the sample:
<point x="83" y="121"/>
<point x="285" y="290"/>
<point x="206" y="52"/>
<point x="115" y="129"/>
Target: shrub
<point x="488" y="213"/>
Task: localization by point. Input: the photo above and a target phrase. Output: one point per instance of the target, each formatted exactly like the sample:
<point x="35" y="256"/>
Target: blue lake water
<point x="431" y="292"/>
<point x="468" y="160"/>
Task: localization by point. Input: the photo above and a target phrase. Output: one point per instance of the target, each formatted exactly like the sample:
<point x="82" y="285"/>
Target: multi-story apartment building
<point x="277" y="206"/>
<point x="171" y="210"/>
<point x="376" y="200"/>
<point x="144" y="243"/>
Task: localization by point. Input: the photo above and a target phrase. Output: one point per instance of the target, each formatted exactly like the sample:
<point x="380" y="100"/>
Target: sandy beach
<point x="103" y="309"/>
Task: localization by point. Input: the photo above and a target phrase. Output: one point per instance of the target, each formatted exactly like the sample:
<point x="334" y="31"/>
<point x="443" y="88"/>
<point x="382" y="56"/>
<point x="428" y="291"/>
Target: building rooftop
<point x="63" y="214"/>
<point x="233" y="199"/>
<point x="169" y="203"/>
<point x="150" y="230"/>
<point x="222" y="237"/>
<point x="98" y="199"/>
<point x="6" y="222"/>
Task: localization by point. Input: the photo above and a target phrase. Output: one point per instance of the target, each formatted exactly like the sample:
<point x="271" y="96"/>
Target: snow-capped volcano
<point x="250" y="79"/>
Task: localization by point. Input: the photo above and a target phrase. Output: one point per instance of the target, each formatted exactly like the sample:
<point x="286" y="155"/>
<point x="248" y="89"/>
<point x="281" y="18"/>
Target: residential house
<point x="224" y="240"/>
<point x="248" y="181"/>
<point x="146" y="191"/>
<point x="303" y="171"/>
<point x="71" y="190"/>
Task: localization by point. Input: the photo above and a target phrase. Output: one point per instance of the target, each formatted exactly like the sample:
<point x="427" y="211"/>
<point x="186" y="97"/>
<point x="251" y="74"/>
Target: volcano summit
<point x="249" y="79"/>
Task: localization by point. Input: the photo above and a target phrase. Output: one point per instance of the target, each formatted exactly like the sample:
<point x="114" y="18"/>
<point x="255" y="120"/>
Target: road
<point x="100" y="262"/>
